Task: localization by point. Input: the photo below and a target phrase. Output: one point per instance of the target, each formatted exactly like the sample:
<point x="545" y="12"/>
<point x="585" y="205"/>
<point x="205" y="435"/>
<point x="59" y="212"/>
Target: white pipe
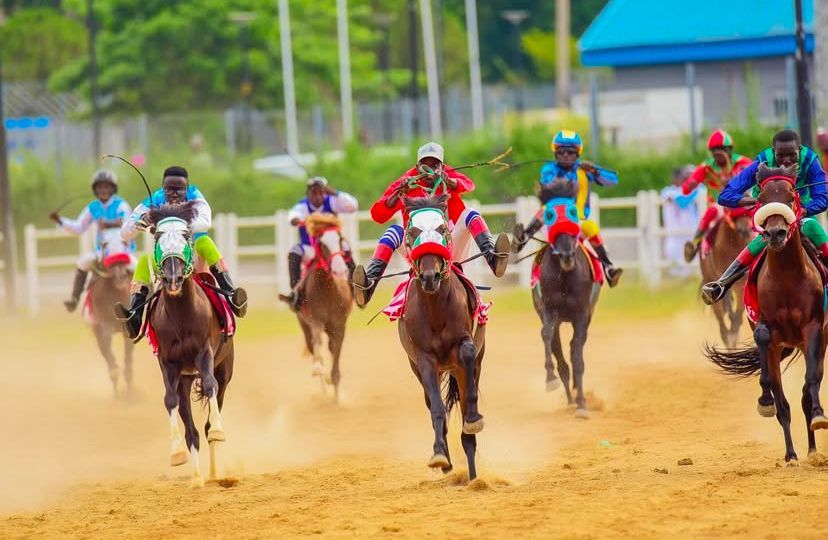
<point x="345" y="93"/>
<point x="474" y="65"/>
<point x="291" y="126"/>
<point x="431" y="70"/>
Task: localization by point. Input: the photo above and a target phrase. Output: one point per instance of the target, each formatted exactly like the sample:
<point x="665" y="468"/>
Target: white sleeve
<point x="203" y="219"/>
<point x="128" y="230"/>
<point x="77" y="226"/>
<point x="299" y="211"/>
<point x="124" y="209"/>
<point x="344" y="203"/>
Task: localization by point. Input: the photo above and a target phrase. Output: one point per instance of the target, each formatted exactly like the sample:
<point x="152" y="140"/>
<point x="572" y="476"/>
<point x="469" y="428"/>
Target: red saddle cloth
<point x="480" y="310"/>
<point x="709" y="237"/>
<point x="108" y="262"/>
<point x="589" y="251"/>
<point x="220" y="303"/>
<point x="752" y="289"/>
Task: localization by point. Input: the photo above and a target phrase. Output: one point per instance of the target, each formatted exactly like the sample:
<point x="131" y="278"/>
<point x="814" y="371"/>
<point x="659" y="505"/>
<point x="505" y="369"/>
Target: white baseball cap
<point x="430" y="149"/>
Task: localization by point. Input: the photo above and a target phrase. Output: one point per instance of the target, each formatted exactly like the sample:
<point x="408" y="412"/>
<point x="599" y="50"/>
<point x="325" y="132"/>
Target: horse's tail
<point x="452" y="391"/>
<point x="742" y="362"/>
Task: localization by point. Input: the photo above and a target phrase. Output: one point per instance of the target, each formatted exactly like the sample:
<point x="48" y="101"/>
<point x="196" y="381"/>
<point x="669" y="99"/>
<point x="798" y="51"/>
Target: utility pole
<point x="562" y="30"/>
<point x="287" y="79"/>
<point x="7" y="225"/>
<point x="413" y="50"/>
<point x="91" y="30"/>
<point x="345" y="93"/>
<point x="803" y="101"/>
<point x="432" y="76"/>
<point x="243" y="20"/>
<point x="474" y="65"/>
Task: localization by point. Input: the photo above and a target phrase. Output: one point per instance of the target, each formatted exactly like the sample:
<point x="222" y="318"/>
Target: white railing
<point x="636" y="247"/>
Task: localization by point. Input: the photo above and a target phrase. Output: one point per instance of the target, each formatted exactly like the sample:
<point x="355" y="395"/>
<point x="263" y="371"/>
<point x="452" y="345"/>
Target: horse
<point x="437" y="330"/>
<point x="732" y="234"/>
<point x="790" y="314"/>
<point x="190" y="344"/>
<point x="566" y="291"/>
<point x="109" y="285"/>
<point x="328" y="298"/>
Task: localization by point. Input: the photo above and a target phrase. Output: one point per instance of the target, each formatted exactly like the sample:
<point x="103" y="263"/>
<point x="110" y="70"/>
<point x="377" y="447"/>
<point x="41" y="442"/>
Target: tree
<point x="543" y="49"/>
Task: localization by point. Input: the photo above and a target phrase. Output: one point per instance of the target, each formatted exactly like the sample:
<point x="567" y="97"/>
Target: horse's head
<point x="561" y="218"/>
<point x="326" y="231"/>
<point x="173" y="254"/>
<point x="428" y="240"/>
<point x="779" y="205"/>
<point x="740" y="221"/>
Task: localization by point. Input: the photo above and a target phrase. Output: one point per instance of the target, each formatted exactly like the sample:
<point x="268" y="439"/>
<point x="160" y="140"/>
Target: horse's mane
<point x="765" y="172"/>
<point x="440" y="202"/>
<point x="185" y="211"/>
<point x="557" y="189"/>
<point x="316" y="223"/>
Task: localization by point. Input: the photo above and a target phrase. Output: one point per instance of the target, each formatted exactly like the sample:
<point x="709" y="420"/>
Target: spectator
<point x="680" y="215"/>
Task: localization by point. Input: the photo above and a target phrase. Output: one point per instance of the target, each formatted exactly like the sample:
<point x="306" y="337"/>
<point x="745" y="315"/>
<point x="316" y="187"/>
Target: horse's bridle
<point x="324" y="263"/>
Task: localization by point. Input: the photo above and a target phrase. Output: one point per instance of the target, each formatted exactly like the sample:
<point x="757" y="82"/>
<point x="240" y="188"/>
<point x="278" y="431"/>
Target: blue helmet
<point x="567" y="137"/>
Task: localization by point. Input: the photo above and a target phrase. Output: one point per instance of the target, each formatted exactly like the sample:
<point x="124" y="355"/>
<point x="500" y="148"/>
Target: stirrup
<point x="690" y="250"/>
<point x="613" y="275"/>
<point x="71" y="305"/>
<point x="363" y="287"/>
<point x="713" y="292"/>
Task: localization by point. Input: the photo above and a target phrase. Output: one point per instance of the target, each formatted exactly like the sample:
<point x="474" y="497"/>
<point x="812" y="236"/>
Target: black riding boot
<point x="495" y="253"/>
<point x="238" y="299"/>
<point x="365" y="280"/>
<point x="77" y="289"/>
<point x="133" y="316"/>
<point x="613" y="273"/>
<point x="521" y="236"/>
<point x="715" y="290"/>
<point x="295" y="274"/>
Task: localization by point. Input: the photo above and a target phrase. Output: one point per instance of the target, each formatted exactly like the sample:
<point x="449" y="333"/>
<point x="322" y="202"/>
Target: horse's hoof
<point x="197" y="482"/>
<point x="819" y="422"/>
<point x="328" y="378"/>
<point x="793" y="462"/>
<point x="768" y="411"/>
<point x="470" y="428"/>
<point x="553" y="385"/>
<point x="581" y="413"/>
<point x="448" y="469"/>
<point x="317" y="369"/>
<point x="439" y="461"/>
<point x="216" y="435"/>
<point x="179" y="457"/>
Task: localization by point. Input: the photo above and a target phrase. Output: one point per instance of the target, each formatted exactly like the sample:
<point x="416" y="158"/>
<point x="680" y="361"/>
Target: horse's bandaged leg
<point x="216" y="432"/>
<point x="197" y="480"/>
<point x="207" y="250"/>
<point x="178" y="450"/>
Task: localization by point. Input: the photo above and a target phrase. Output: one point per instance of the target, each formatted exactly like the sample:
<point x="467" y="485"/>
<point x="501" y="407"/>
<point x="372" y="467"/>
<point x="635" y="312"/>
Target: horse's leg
<point x="336" y="336"/>
<point x="579" y="335"/>
<point x="129" y="349"/>
<point x="103" y="335"/>
<point x="190" y="432"/>
<point x="550" y="324"/>
<point x="209" y="388"/>
<point x="223" y="372"/>
<point x="472" y="419"/>
<point x="468" y="439"/>
<point x="814" y="358"/>
<point x="563" y="367"/>
<point x="766" y="406"/>
<point x="318" y="367"/>
<point x="736" y="311"/>
<point x="783" y="408"/>
<point x="172" y="376"/>
<point x="720" y="310"/>
<point x="430" y="378"/>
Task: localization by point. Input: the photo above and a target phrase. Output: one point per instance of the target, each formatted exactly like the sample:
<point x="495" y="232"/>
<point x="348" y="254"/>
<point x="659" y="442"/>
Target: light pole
<point x="291" y="121"/>
<point x="413" y="86"/>
<point x="432" y="78"/>
<point x="803" y="101"/>
<point x="384" y="20"/>
<point x="346" y="97"/>
<point x="9" y="238"/>
<point x="93" y="80"/>
<point x="515" y="17"/>
<point x="243" y="19"/>
<point x="474" y="65"/>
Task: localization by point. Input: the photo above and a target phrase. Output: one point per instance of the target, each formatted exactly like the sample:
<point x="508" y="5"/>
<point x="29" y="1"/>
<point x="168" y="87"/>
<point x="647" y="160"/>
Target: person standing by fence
<point x="679" y="213"/>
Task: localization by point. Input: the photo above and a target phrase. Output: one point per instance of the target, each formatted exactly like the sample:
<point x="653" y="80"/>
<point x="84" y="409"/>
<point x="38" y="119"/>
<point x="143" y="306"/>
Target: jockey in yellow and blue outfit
<point x="569" y="167"/>
<point x="175" y="189"/>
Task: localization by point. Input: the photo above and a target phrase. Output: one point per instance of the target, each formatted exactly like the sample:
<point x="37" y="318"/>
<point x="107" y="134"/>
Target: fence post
<point x="525" y="210"/>
<point x="30" y="246"/>
<point x="283" y="230"/>
<point x="642" y="219"/>
<point x="595" y="208"/>
<point x="350" y="231"/>
<point x="655" y="238"/>
<point x="231" y="236"/>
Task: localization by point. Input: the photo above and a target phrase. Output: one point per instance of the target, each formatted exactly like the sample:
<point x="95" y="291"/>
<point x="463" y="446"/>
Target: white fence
<point x="636" y="247"/>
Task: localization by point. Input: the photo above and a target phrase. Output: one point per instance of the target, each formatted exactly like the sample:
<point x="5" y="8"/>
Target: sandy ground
<point x="76" y="463"/>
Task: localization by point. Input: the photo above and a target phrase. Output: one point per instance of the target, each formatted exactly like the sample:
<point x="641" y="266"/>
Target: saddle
<point x="596" y="267"/>
<point x="709" y="239"/>
<point x="100" y="272"/>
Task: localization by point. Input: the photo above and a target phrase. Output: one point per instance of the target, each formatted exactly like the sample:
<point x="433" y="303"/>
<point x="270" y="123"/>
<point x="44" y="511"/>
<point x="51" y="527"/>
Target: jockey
<point x="714" y="172"/>
<point x="175" y="189"/>
<point x="321" y="199"/>
<point x="786" y="151"/>
<point x="106" y="212"/>
<point x="466" y="223"/>
<point x="568" y="167"/>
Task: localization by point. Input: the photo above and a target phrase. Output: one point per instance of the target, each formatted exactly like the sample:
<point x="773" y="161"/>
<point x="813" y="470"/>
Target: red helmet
<point x="719" y="139"/>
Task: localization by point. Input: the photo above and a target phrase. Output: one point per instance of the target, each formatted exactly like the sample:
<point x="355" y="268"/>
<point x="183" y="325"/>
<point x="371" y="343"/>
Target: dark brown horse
<point x="328" y="298"/>
<point x="731" y="236"/>
<point x="191" y="346"/>
<point x="439" y="336"/>
<point x="790" y="312"/>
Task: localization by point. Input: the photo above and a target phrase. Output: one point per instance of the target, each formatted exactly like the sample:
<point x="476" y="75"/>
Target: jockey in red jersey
<point x="466" y="223"/>
<point x="714" y="172"/>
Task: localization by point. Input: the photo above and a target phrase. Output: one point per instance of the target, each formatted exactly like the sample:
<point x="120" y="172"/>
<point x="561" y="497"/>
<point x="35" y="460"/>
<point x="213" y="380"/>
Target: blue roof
<point x="644" y="32"/>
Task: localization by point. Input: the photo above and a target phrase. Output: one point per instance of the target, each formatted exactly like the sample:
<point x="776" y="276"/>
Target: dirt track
<point x="75" y="463"/>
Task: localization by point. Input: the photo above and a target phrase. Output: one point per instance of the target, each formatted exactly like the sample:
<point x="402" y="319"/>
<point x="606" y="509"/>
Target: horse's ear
<point x="442" y="199"/>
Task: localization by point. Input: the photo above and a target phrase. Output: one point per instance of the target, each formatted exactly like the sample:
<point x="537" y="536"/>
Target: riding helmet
<point x="104" y="175"/>
<point x="719" y="139"/>
<point x="567" y="137"/>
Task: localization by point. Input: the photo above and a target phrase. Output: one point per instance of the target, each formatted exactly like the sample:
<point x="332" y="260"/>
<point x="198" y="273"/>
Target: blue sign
<point x="39" y="122"/>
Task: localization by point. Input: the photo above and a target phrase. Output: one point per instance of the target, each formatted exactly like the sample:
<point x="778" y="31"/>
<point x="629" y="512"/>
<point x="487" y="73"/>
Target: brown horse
<point x="328" y="298"/>
<point x="790" y="312"/>
<point x="439" y="337"/>
<point x="191" y="346"/>
<point x="731" y="236"/>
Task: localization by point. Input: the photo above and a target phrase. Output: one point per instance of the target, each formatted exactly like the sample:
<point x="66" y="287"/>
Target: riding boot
<point x="366" y="279"/>
<point x="613" y="273"/>
<point x="133" y="316"/>
<point x="495" y="253"/>
<point x="238" y="300"/>
<point x="295" y="274"/>
<point x="77" y="289"/>
<point x="715" y="290"/>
